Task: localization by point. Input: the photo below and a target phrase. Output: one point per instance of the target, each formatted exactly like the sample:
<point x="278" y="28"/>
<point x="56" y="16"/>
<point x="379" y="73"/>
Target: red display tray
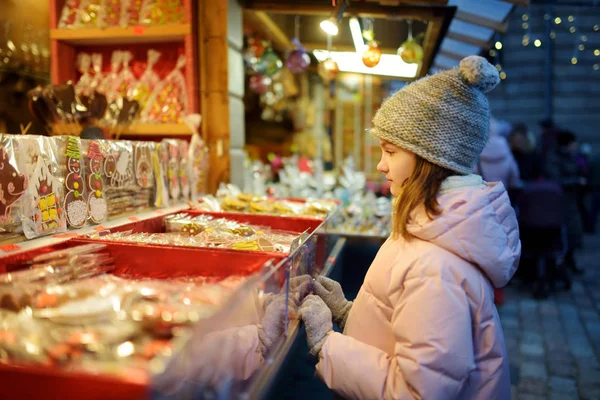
<point x="132" y="261"/>
<point x="291" y="224"/>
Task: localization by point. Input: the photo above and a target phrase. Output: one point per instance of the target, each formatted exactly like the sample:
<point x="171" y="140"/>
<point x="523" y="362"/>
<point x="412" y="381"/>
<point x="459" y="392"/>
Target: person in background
<point x="562" y="168"/>
<point x="424" y="324"/>
<point x="522" y="145"/>
<point x="496" y="162"/>
<point x="594" y="190"/>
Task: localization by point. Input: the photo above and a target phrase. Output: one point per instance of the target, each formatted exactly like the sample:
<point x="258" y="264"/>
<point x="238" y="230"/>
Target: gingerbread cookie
<point x="97" y="206"/>
<point x="172" y="147"/>
<point x="12" y="185"/>
<point x="184" y="169"/>
<point x="143" y="165"/>
<point x="75" y="203"/>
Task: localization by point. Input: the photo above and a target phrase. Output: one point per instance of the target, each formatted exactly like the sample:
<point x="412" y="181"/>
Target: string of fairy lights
<point x="580" y="43"/>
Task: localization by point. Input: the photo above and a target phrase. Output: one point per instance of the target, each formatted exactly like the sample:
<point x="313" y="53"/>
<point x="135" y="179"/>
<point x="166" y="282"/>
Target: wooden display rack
<point x="171" y="40"/>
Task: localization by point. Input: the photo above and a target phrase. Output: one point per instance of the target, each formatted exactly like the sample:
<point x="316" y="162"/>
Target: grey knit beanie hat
<point x="444" y="118"/>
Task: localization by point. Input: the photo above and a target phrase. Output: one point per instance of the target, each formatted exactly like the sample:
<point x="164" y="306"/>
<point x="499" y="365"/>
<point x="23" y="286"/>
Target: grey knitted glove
<point x="331" y="293"/>
<point x="301" y="286"/>
<point x="317" y="319"/>
<point x="273" y="322"/>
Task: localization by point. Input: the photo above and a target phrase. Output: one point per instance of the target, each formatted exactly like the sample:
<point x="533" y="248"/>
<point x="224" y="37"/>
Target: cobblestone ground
<point x="554" y="344"/>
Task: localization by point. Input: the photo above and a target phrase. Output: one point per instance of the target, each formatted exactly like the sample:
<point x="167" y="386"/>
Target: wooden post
<point x="214" y="93"/>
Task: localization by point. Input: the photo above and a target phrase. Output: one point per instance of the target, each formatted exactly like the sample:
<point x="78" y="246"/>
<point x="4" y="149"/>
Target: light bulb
<point x="574" y="60"/>
<point x="498" y="45"/>
<point x="537" y="43"/>
<point x="597" y="52"/>
<point x="571" y="18"/>
<point x="502" y="75"/>
<point x="557" y="20"/>
<point x="330" y="27"/>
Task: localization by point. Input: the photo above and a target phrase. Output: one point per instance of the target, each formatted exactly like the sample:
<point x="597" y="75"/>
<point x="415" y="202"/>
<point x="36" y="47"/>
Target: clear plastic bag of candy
<point x="83" y="87"/>
<point x="13" y="185"/>
<point x="143" y="88"/>
<point x="106" y="87"/>
<point x="42" y="210"/>
<point x="125" y="79"/>
<point x="69" y="14"/>
<point x="161" y="12"/>
<point x="168" y="102"/>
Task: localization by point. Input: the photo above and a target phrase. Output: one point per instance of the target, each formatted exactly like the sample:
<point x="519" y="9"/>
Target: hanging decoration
<point x="272" y="62"/>
<point x="410" y="51"/>
<point x="372" y="54"/>
<point x="328" y="69"/>
<point x="298" y="60"/>
<point x="259" y="83"/>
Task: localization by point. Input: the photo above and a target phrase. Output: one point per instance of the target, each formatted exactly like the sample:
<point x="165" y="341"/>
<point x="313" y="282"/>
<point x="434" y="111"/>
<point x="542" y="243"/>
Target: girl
<point x="424" y="324"/>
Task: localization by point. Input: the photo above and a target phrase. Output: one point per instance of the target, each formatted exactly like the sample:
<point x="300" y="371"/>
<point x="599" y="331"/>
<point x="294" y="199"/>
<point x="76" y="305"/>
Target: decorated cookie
<point x="75" y="203"/>
<point x="44" y="212"/>
<point x="97" y="206"/>
<point x="143" y="165"/>
<point x="12" y="185"/>
<point x="184" y="169"/>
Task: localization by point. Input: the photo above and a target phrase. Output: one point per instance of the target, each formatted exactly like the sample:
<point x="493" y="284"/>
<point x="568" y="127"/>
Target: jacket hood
<point x="477" y="223"/>
<point x="496" y="150"/>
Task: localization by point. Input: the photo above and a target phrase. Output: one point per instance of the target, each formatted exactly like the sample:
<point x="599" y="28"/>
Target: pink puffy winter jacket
<point x="424" y="324"/>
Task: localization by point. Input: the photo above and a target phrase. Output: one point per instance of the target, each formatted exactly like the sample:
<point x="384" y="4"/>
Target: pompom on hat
<point x="444" y="118"/>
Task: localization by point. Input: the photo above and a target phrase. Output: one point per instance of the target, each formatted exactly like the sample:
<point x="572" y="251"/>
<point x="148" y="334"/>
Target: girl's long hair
<point x="421" y="187"/>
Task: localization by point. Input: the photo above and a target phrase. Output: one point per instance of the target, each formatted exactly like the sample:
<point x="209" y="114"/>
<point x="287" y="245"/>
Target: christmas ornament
<point x="410" y="51"/>
<point x="297" y="61"/>
<point x="260" y="83"/>
<point x="329" y="69"/>
<point x="272" y="62"/>
<point x="372" y="55"/>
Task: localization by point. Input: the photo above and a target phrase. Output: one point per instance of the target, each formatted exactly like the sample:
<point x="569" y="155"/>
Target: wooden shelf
<point x="118" y="35"/>
<point x="157" y="130"/>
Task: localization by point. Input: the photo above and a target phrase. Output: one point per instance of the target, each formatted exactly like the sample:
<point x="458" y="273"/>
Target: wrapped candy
<point x="114" y="13"/>
<point x="125" y="79"/>
<point x="172" y="147"/>
<point x="168" y="102"/>
<point x="160" y="12"/>
<point x="68" y="16"/>
<point x="84" y="84"/>
<point x="13" y="183"/>
<point x="106" y="86"/>
<point x="145" y="85"/>
<point x="97" y="78"/>
<point x="134" y="10"/>
<point x="42" y="211"/>
<point x="91" y="14"/>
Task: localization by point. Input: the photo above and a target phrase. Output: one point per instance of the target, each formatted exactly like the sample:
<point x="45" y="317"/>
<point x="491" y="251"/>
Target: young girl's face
<point x="396" y="164"/>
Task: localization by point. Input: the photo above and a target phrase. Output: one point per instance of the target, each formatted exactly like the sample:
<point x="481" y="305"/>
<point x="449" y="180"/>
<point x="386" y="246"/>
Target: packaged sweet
<point x="97" y="77"/>
<point x="69" y="16"/>
<point x="134" y="10"/>
<point x="160" y="163"/>
<point x="197" y="158"/>
<point x="122" y="194"/>
<point x="160" y="12"/>
<point x="144" y="174"/>
<point x="115" y="13"/>
<point x="90" y="14"/>
<point x="143" y="88"/>
<point x="13" y="184"/>
<point x="172" y="148"/>
<point x="84" y="84"/>
<point x="106" y="86"/>
<point x="72" y="177"/>
<point x="93" y="162"/>
<point x="42" y="210"/>
<point x="185" y="169"/>
<point x="125" y="79"/>
<point x="168" y="103"/>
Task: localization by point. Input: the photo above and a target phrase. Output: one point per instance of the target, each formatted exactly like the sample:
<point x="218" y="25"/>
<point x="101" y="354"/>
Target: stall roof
<point x="472" y="29"/>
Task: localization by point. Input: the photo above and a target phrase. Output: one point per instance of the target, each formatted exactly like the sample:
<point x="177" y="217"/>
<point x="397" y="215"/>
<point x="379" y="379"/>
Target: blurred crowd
<point x="554" y="184"/>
